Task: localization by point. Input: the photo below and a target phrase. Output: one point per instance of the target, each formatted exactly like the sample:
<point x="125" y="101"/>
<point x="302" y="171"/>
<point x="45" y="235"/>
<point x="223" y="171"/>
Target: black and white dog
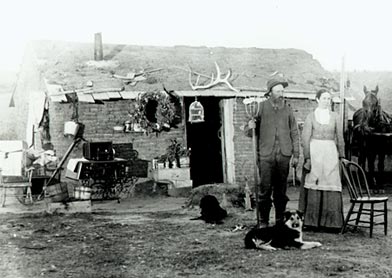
<point x="283" y="235"/>
<point x="210" y="210"/>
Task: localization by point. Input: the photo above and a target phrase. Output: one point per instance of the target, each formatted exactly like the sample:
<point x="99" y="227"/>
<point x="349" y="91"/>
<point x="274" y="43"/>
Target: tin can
<point x="154" y="163"/>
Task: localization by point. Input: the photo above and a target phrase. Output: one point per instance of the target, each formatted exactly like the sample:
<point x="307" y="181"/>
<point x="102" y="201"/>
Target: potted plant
<point x="177" y="154"/>
<point x="161" y="161"/>
<point x="172" y="152"/>
<point x="183" y="157"/>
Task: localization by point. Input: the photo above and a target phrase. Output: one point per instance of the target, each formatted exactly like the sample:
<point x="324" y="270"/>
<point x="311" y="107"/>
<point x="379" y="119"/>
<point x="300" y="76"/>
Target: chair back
<point x="355" y="178"/>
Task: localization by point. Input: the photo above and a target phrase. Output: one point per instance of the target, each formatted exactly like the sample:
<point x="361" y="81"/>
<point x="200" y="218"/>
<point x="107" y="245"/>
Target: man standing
<point x="278" y="140"/>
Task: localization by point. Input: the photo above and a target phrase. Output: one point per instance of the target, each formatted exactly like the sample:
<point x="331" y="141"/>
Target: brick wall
<point x="243" y="149"/>
<point x="99" y="120"/>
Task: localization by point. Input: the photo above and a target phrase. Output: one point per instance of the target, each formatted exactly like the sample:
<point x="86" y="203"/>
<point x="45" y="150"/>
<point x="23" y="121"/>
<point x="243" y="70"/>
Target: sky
<point x="359" y="31"/>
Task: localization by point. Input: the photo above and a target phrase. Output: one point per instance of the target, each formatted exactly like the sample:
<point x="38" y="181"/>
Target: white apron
<point x="324" y="172"/>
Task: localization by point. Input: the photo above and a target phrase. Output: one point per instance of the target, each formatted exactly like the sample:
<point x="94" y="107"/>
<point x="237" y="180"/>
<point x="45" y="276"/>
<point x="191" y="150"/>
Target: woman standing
<point x="323" y="146"/>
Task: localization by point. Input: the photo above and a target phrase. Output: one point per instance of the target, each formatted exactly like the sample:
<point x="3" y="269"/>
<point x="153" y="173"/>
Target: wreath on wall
<point x="156" y="112"/>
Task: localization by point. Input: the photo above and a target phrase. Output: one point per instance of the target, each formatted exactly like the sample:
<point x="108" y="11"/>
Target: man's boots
<point x="264" y="212"/>
<point x="280" y="208"/>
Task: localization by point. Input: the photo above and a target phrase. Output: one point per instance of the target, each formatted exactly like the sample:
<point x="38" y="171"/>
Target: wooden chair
<point x="372" y="207"/>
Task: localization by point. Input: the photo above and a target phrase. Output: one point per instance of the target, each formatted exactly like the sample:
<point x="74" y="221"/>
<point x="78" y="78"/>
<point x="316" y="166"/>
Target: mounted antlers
<point x="213" y="82"/>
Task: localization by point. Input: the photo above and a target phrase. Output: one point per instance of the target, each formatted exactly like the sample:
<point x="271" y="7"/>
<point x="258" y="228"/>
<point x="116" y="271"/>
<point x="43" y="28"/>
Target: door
<point x="205" y="143"/>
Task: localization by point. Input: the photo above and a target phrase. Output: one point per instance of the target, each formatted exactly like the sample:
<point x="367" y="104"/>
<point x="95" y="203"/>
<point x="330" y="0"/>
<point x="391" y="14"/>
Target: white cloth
<point x="37" y="101"/>
<point x="322" y="115"/>
<point x="46" y="158"/>
<point x="73" y="162"/>
<point x="324" y="173"/>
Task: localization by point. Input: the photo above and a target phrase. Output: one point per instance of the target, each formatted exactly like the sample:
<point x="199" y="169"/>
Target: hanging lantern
<point x="196" y="112"/>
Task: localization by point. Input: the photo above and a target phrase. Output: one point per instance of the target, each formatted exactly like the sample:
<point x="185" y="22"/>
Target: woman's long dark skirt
<point x="322" y="209"/>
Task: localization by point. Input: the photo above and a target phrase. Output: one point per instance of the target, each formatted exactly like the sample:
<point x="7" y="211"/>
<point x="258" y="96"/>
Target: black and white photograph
<point x="195" y="139"/>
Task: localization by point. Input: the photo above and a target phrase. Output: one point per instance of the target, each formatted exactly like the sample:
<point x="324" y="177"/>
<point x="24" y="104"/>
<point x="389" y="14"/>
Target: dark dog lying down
<point x="210" y="210"/>
<point x="284" y="235"/>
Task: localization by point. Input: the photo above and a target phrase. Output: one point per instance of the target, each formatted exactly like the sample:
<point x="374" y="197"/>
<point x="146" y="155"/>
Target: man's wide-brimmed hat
<point x="275" y="81"/>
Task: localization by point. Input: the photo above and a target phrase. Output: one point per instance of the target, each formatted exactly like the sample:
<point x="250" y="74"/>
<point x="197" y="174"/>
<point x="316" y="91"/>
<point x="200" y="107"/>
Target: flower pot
<point x="128" y="126"/>
<point x="137" y="127"/>
<point x="184" y="162"/>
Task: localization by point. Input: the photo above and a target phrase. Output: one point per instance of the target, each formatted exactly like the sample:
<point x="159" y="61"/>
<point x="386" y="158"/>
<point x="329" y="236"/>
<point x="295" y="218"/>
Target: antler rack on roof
<point x="214" y="81"/>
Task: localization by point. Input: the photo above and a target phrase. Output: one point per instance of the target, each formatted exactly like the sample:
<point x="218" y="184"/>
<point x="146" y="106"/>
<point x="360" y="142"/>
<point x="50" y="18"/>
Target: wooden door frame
<point x="227" y="139"/>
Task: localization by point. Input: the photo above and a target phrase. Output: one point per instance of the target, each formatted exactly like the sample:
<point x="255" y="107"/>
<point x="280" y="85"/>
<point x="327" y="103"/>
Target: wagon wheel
<point x="98" y="190"/>
<point x="102" y="189"/>
<point x="120" y="189"/>
<point x="129" y="186"/>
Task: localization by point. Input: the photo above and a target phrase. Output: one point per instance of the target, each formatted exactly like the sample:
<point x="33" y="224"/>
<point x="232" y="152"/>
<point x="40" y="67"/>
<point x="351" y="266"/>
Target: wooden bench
<point x="21" y="185"/>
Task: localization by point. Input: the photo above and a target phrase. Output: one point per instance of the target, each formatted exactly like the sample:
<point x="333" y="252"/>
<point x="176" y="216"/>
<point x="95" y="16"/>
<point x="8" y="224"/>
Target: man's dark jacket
<point x="276" y="124"/>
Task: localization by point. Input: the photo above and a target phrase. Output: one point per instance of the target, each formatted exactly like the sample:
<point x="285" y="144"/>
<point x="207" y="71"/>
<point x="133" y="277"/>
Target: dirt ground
<point x="154" y="237"/>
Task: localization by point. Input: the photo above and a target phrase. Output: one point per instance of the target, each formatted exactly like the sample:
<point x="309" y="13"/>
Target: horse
<point x="370" y="128"/>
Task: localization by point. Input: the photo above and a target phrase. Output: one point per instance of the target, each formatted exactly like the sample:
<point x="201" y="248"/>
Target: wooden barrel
<point x="57" y="192"/>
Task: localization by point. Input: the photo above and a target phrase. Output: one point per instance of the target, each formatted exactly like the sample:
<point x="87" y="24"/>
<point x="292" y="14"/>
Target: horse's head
<point x="366" y="118"/>
<point x="373" y="118"/>
<point x="370" y="102"/>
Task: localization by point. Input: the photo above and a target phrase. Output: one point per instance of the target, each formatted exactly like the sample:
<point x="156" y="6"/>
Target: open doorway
<point x="205" y="143"/>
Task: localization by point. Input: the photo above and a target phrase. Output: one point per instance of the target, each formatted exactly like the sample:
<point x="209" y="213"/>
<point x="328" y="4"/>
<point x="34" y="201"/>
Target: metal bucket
<point x="70" y="128"/>
<point x="82" y="193"/>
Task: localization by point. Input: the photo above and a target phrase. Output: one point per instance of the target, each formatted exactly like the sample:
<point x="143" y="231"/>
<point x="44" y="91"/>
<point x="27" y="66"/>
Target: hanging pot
<point x="70" y="128"/>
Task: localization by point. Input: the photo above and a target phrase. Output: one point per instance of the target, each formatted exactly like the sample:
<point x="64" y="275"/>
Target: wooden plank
<point x="58" y="98"/>
<point x="114" y="95"/>
<point x="85" y="97"/>
<point x="227" y="142"/>
<point x="225" y="93"/>
<point x="291" y="94"/>
<point x="130" y="94"/>
<point x="88" y="90"/>
<point x="101" y="96"/>
<point x="85" y="90"/>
